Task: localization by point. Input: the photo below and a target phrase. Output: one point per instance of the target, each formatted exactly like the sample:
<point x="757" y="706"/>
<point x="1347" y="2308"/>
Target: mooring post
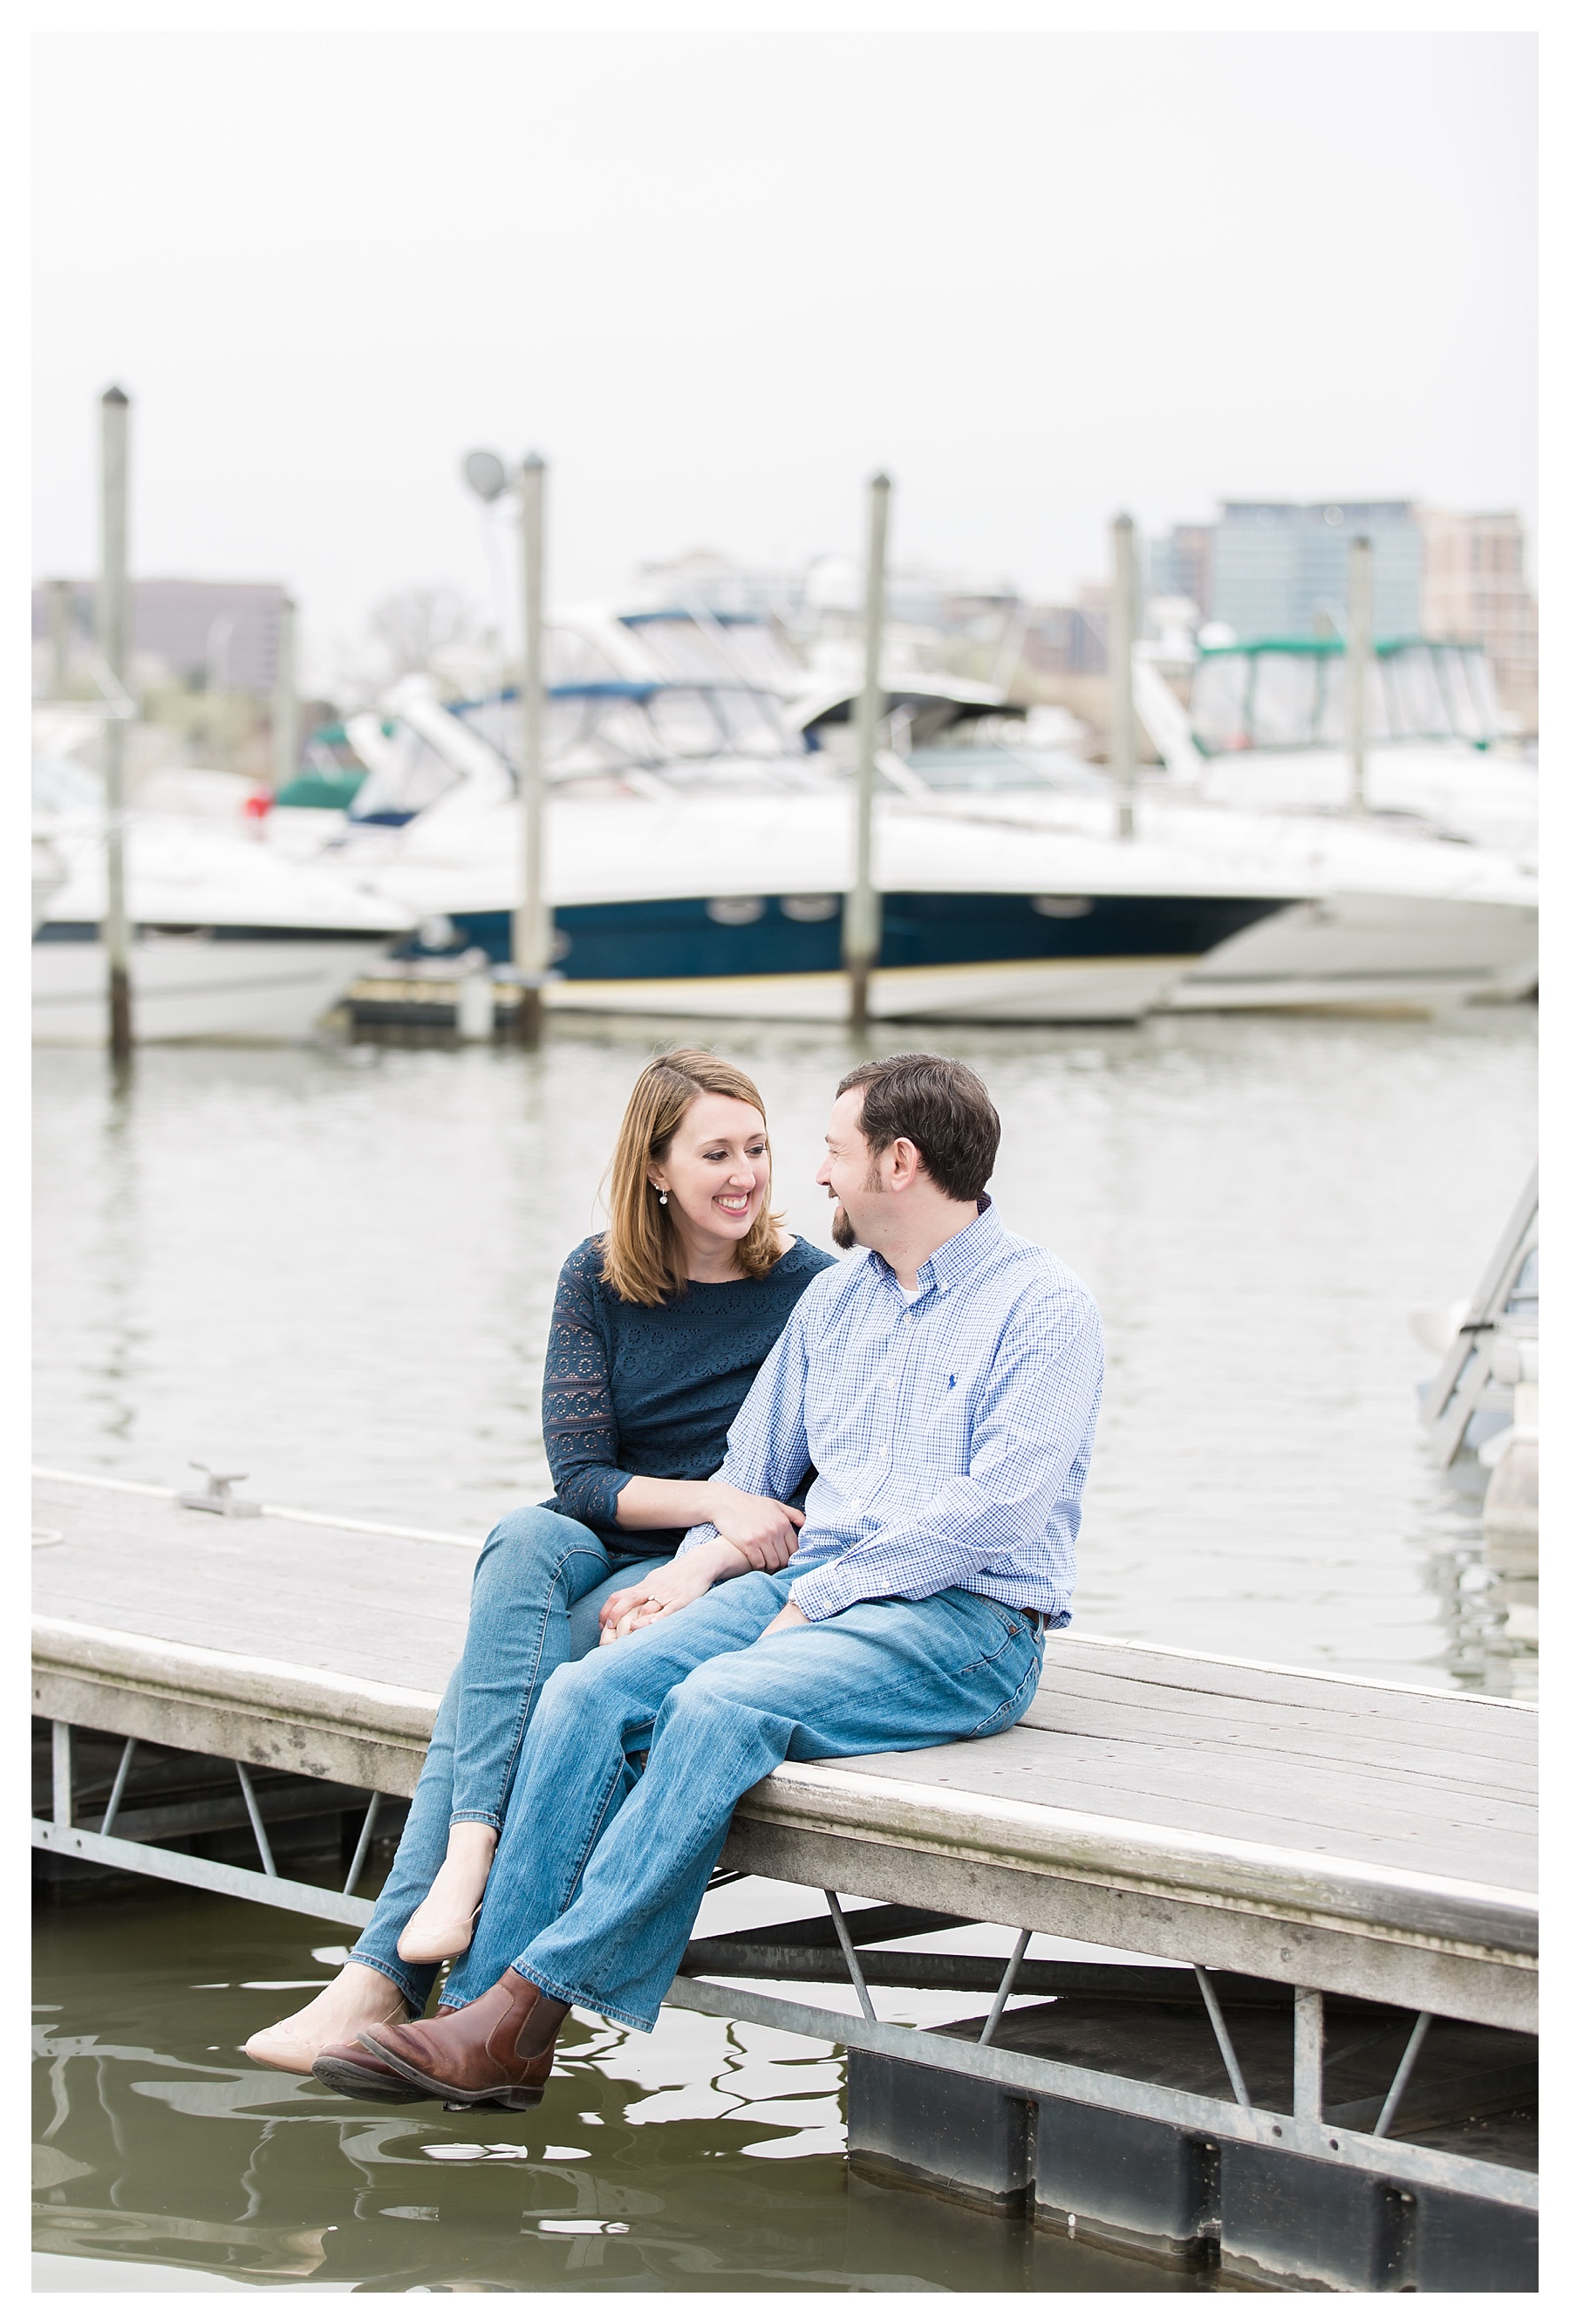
<point x="285" y="702"/>
<point x="60" y="624"/>
<point x="863" y="921"/>
<point x="1307" y="2053"/>
<point x="115" y="410"/>
<point x="531" y="934"/>
<point x="1122" y="625"/>
<point x="1359" y="651"/>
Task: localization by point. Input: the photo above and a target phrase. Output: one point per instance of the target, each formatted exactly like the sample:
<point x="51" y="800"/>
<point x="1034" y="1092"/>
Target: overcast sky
<point x="717" y="279"/>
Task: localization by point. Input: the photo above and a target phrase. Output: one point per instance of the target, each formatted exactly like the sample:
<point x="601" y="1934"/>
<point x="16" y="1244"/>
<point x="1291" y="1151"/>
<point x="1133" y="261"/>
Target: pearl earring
<point x="664" y="1198"/>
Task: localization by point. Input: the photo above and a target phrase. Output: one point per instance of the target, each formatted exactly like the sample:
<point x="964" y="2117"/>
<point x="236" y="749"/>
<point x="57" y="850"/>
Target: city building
<point x="1070" y="640"/>
<point x="1279" y="568"/>
<point x="1475" y="589"/>
<point x="218" y="636"/>
<point x="1181" y="565"/>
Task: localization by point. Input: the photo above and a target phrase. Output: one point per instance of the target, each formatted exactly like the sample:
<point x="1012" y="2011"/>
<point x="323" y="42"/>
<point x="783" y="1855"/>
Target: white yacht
<point x="1264" y="729"/>
<point x="698" y="849"/>
<point x="1386" y="918"/>
<point x="715" y="883"/>
<point x="232" y="941"/>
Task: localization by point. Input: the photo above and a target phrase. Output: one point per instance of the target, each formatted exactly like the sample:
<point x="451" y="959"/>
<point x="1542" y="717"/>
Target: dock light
<point x="485" y="474"/>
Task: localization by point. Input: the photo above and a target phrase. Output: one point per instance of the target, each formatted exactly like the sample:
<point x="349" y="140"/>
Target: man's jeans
<point x="534" y="1602"/>
<point x="600" y="1872"/>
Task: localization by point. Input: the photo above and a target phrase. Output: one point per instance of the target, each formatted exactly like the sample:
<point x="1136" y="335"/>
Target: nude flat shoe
<point x="438" y="1942"/>
<point x="289" y="2052"/>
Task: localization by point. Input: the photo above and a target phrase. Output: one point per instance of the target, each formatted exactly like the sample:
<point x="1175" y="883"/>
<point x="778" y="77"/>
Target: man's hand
<point x="762" y="1530"/>
<point x="668" y="1588"/>
<point x="789" y="1615"/>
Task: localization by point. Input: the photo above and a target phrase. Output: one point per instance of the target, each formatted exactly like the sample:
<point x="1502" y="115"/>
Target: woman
<point x="659" y="1329"/>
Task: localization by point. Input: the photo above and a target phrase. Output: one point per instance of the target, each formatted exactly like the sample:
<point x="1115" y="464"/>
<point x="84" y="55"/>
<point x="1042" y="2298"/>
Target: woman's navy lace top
<point x="634" y="1391"/>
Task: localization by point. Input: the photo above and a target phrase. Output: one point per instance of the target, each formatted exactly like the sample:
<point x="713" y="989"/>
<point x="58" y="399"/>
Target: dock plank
<point x="1376" y="1839"/>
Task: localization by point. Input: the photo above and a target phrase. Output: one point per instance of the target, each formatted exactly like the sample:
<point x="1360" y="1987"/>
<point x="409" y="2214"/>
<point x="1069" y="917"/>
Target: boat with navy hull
<point x="717" y="888"/>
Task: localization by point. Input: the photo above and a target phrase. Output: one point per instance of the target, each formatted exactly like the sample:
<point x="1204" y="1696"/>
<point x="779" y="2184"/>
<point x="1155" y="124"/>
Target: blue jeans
<point x="600" y="1873"/>
<point x="535" y="1603"/>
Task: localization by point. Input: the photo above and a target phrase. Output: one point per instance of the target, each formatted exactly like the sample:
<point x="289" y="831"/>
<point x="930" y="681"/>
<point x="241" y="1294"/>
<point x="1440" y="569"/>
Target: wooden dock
<point x="1368" y="1841"/>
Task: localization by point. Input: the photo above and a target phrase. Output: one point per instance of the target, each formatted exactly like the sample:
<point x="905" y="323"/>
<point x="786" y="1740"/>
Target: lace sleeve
<point x="577" y="1416"/>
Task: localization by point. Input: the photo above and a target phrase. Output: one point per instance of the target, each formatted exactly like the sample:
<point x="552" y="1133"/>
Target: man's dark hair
<point x="941" y="1107"/>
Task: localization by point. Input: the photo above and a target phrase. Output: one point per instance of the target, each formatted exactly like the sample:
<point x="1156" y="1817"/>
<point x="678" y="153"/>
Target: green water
<point x="331" y="1268"/>
<point x="705" y="2158"/>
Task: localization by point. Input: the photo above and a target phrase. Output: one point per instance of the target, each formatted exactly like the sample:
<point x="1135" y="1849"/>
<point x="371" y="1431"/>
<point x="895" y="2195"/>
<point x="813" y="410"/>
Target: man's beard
<point x="841" y="1228"/>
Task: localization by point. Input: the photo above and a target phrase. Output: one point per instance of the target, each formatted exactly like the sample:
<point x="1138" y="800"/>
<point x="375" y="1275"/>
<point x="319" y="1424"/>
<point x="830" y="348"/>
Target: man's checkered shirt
<point x="951" y="1433"/>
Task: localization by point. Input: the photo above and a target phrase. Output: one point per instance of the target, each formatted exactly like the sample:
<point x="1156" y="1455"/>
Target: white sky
<point x="717" y="278"/>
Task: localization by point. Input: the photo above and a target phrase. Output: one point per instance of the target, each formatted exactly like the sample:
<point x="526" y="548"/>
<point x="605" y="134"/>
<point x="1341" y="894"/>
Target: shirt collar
<point x="953" y="1261"/>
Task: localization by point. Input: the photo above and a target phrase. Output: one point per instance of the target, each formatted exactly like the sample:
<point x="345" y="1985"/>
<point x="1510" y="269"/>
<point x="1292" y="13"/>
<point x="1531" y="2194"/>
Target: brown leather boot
<point x="497" y="2050"/>
<point x="349" y="2073"/>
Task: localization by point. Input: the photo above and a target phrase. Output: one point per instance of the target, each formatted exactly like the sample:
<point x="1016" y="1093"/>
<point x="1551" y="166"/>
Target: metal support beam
<point x="121" y="1772"/>
<point x="1223" y="2038"/>
<point x="363" y="1845"/>
<point x="1416" y="2166"/>
<point x="1307" y="2053"/>
<point x="1005" y="1986"/>
<point x="203" y="1872"/>
<point x="257" y="1826"/>
<point x="61" y="1737"/>
<point x="849" y="1950"/>
<point x="1387" y="2113"/>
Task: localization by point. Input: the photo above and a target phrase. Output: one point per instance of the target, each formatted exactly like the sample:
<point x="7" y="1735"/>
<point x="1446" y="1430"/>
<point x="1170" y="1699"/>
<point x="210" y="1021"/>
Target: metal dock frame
<point x="1208" y="2124"/>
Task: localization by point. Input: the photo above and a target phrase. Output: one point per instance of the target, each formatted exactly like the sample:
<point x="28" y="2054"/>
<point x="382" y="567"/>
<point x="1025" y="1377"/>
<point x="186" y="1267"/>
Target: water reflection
<point x="706" y="2157"/>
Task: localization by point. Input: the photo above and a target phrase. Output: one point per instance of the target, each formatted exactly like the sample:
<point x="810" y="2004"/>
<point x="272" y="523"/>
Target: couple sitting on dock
<point x="936" y="1397"/>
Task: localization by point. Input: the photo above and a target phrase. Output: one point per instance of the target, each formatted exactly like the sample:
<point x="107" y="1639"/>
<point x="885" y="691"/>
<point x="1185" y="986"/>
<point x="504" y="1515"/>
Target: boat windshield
<point x="410" y="777"/>
<point x="717" y="649"/>
<point x="1289" y="694"/>
<point x="605" y="728"/>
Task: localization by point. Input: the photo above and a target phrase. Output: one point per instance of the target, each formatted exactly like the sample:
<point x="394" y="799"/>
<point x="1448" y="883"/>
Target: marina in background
<point x="1266" y="2009"/>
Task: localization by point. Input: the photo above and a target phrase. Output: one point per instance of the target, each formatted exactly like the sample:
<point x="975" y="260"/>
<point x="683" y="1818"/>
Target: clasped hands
<point x="756" y="1533"/>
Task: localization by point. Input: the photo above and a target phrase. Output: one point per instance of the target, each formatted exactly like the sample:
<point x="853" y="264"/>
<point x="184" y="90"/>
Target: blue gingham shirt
<point x="951" y="1433"/>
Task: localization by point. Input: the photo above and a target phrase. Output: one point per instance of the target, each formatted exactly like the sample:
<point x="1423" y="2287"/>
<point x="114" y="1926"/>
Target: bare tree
<point x="414" y="627"/>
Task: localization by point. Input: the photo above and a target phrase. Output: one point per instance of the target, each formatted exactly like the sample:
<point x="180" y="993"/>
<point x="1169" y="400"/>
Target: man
<point x="944" y="1386"/>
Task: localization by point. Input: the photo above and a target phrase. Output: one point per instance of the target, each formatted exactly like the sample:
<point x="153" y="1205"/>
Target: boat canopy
<point x="1284" y="694"/>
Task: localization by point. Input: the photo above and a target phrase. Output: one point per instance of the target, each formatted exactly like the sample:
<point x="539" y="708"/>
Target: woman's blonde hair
<point x="640" y="1252"/>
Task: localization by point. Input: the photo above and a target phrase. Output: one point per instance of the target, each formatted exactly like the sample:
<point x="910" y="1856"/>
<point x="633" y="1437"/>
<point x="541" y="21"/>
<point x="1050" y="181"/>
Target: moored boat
<point x="231" y="941"/>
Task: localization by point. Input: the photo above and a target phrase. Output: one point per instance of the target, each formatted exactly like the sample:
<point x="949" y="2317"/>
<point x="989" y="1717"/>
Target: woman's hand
<point x="762" y="1530"/>
<point x="668" y="1589"/>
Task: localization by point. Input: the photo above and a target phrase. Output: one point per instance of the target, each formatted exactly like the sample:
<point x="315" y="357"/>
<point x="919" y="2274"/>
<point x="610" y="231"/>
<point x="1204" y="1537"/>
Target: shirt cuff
<point x="814" y="1595"/>
<point x="696" y="1536"/>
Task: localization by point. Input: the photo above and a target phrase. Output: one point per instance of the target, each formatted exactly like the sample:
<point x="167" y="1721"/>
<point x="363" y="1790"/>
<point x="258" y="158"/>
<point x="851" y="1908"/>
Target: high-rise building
<point x="1279" y="568"/>
<point x="1475" y="589"/>
<point x="1179" y="565"/>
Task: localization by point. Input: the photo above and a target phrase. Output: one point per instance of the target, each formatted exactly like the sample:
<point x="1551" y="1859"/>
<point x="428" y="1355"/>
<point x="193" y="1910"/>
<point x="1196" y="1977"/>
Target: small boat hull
<point x="198" y="988"/>
<point x="1349" y="954"/>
